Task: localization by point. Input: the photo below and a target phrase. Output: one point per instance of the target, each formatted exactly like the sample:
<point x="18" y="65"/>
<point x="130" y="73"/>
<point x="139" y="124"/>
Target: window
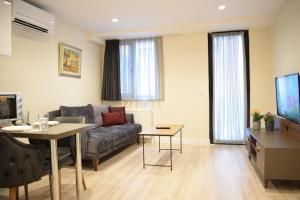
<point x="140" y="66"/>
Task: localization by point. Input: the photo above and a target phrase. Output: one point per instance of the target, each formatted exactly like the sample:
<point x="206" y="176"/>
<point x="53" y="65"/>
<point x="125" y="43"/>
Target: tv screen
<point x="288" y="97"/>
<point x="8" y="106"/>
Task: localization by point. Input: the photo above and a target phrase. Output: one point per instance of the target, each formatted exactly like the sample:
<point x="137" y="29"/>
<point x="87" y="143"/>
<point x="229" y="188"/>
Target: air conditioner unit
<point x="33" y="18"/>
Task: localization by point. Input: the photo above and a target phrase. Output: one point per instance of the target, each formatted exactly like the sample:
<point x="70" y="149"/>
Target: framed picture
<point x="69" y="61"/>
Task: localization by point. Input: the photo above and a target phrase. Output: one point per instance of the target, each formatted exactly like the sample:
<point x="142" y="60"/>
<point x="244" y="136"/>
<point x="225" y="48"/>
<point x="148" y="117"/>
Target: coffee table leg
<point x="158" y="143"/>
<point x="171" y="152"/>
<point x="143" y="152"/>
<point x="181" y="141"/>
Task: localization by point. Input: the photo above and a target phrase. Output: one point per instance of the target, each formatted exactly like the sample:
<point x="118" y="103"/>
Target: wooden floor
<point x="214" y="172"/>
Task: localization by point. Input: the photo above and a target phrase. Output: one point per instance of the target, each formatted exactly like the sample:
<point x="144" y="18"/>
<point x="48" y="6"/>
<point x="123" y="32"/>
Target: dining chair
<point x="20" y="164"/>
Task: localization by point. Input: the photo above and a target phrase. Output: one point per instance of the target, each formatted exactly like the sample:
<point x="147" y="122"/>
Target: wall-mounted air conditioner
<point x="33" y="18"/>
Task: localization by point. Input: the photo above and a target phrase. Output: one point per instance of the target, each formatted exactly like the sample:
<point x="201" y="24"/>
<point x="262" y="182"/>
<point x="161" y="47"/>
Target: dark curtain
<point x="111" y="90"/>
<point x="210" y="73"/>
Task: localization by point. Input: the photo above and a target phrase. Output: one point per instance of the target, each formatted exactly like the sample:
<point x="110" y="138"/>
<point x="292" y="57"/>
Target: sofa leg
<point x="95" y="164"/>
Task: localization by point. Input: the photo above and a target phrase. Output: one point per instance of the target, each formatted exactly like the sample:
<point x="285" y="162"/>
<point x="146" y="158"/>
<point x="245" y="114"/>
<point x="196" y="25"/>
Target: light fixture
<point x="7" y="2"/>
<point x="222" y="7"/>
<point x="115" y="20"/>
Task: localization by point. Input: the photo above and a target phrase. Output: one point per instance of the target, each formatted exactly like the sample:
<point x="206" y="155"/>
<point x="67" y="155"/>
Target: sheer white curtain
<point x="140" y="69"/>
<point x="229" y="88"/>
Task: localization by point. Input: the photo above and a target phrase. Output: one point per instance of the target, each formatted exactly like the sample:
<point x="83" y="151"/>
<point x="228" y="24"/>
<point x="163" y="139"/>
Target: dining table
<point x="53" y="134"/>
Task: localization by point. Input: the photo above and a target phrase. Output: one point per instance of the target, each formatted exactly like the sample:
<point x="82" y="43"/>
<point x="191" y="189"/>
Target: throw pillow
<point x="98" y="110"/>
<point x="118" y="109"/>
<point x="80" y="111"/>
<point x="115" y="118"/>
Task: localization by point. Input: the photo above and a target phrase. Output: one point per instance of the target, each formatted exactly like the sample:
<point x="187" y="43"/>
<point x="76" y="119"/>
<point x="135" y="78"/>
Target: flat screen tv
<point x="288" y="97"/>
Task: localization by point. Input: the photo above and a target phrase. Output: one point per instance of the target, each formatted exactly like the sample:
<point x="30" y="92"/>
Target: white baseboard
<point x="177" y="141"/>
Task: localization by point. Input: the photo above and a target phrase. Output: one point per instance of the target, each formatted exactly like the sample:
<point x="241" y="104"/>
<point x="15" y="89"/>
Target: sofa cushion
<point x="104" y="138"/>
<point x="130" y="128"/>
<point x="78" y="120"/>
<point x="80" y="111"/>
<point x="115" y="118"/>
<point x="118" y="109"/>
<point x="98" y="110"/>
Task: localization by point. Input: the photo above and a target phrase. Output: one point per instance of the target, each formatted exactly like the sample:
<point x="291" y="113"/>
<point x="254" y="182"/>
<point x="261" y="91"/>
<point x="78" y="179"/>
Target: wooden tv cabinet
<point x="276" y="154"/>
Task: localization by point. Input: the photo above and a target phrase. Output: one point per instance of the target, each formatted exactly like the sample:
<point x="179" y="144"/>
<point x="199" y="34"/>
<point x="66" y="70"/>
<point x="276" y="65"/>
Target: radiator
<point x="143" y="117"/>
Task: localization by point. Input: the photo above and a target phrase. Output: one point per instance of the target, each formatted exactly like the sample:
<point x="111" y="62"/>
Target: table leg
<point x="78" y="163"/>
<point x="159" y="144"/>
<point x="54" y="172"/>
<point x="143" y="152"/>
<point x="181" y="141"/>
<point x="171" y="152"/>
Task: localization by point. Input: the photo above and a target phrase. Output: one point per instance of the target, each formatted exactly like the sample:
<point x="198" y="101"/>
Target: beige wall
<point x="261" y="79"/>
<point x="33" y="70"/>
<point x="186" y="82"/>
<point x="286" y="39"/>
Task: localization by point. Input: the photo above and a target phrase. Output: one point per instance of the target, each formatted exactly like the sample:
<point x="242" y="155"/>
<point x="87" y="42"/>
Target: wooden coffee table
<point x="171" y="132"/>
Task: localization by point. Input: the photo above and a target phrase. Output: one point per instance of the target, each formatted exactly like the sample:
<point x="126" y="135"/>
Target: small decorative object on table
<point x="257" y="116"/>
<point x="269" y="121"/>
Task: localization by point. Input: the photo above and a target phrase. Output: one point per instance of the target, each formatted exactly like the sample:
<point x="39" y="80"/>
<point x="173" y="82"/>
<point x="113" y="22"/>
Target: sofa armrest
<point x="53" y="114"/>
<point x="130" y="118"/>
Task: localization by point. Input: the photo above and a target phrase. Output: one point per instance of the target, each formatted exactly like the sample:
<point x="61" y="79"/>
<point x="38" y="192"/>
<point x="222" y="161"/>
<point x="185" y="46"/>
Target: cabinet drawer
<point x="260" y="158"/>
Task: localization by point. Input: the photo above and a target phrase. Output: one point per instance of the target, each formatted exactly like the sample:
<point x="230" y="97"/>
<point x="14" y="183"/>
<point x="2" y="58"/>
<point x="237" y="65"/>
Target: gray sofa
<point x="101" y="141"/>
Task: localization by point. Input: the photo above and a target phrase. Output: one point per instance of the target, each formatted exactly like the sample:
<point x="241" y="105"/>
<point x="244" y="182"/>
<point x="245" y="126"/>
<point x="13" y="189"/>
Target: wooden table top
<point x="55" y="132"/>
<point x="174" y="129"/>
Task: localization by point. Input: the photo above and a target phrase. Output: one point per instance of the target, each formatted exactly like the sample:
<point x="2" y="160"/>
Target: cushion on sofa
<point x="98" y="110"/>
<point x="118" y="109"/>
<point x="79" y="111"/>
<point x="104" y="138"/>
<point x="116" y="118"/>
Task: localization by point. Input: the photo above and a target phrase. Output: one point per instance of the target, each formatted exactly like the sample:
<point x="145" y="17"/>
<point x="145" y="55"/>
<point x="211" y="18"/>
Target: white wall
<point x="5" y="27"/>
<point x="33" y="70"/>
<point x="286" y="39"/>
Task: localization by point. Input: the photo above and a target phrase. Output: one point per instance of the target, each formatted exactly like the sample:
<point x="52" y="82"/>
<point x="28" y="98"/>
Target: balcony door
<point x="229" y="86"/>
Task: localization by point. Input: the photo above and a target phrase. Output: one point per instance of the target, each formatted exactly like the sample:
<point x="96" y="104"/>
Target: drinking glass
<point x="43" y="121"/>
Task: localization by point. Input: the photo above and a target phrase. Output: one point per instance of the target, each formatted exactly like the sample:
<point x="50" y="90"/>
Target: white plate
<point x="16" y="128"/>
<point x="50" y="123"/>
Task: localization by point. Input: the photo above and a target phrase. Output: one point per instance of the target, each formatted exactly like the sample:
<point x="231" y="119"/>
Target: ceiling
<point x="156" y="17"/>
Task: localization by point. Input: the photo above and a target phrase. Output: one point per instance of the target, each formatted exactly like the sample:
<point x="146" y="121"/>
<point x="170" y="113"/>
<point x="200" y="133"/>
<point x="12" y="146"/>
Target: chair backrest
<point x="20" y="163"/>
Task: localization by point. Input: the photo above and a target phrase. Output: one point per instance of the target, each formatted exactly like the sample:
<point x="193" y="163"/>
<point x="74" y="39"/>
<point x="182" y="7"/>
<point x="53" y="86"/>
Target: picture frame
<point x="69" y="61"/>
